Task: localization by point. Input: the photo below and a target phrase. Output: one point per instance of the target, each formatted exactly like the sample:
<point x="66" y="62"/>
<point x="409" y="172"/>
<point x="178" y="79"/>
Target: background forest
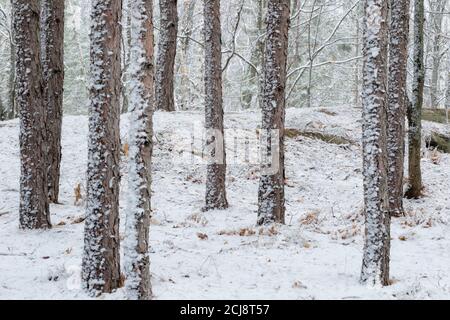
<point x="324" y="63"/>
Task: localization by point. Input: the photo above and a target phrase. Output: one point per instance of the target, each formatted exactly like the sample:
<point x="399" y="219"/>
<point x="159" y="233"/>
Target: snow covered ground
<point x="222" y="254"/>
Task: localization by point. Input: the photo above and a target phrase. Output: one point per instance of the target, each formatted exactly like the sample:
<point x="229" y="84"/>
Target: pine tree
<point x="415" y="110"/>
<point x="52" y="38"/>
<point x="101" y="264"/>
<point x="167" y="47"/>
<point x="34" y="208"/>
<point x="271" y="186"/>
<point x="137" y="261"/>
<point x="216" y="169"/>
<point x="253" y="85"/>
<point x="437" y="8"/>
<point x="126" y="52"/>
<point x="397" y="102"/>
<point x="375" y="266"/>
<point x="447" y="95"/>
<point x="184" y="59"/>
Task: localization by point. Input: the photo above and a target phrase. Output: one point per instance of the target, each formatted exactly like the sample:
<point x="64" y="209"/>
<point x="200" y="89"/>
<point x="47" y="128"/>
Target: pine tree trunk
<point x="101" y="264"/>
<point x="447" y="95"/>
<point x="437" y="8"/>
<point x="167" y="47"/>
<point x="137" y="261"/>
<point x="12" y="80"/>
<point x="396" y="111"/>
<point x="34" y="208"/>
<point x="271" y="186"/>
<point x="297" y="6"/>
<point x="52" y="36"/>
<point x="415" y="112"/>
<point x="126" y="56"/>
<point x="257" y="59"/>
<point x="2" y="111"/>
<point x="356" y="84"/>
<point x="184" y="89"/>
<point x="375" y="266"/>
<point x="216" y="168"/>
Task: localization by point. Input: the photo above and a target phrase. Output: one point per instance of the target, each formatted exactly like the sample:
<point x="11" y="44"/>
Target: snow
<point x="375" y="270"/>
<point x="136" y="258"/>
<point x="316" y="255"/>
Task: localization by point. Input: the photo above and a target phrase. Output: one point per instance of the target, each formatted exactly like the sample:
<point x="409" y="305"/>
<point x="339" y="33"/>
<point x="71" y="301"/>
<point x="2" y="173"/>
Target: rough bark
<point x="137" y="261"/>
<point x="12" y="80"/>
<point x="216" y="168"/>
<point x="447" y="95"/>
<point x="396" y="111"/>
<point x="375" y="266"/>
<point x="34" y="208"/>
<point x="415" y="112"/>
<point x="101" y="264"/>
<point x="271" y="186"/>
<point x="52" y="44"/>
<point x="167" y="47"/>
<point x="126" y="55"/>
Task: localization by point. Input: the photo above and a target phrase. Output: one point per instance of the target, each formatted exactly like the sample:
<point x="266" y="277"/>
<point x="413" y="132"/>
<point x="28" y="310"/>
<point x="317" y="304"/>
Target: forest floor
<point x="222" y="254"/>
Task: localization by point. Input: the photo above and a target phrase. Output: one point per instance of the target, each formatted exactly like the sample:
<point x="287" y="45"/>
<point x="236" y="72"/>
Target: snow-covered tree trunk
<point x="167" y="48"/>
<point x="271" y="185"/>
<point x="12" y="79"/>
<point x="101" y="263"/>
<point x="357" y="82"/>
<point x="447" y="95"/>
<point x="184" y="59"/>
<point x="397" y="104"/>
<point x="52" y="44"/>
<point x="216" y="168"/>
<point x="415" y="110"/>
<point x="375" y="266"/>
<point x="437" y="8"/>
<point x="137" y="261"/>
<point x="34" y="208"/>
<point x="253" y="86"/>
<point x="126" y="43"/>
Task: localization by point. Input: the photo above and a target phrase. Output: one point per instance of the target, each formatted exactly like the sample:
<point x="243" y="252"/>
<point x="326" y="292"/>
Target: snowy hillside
<point x="222" y="254"/>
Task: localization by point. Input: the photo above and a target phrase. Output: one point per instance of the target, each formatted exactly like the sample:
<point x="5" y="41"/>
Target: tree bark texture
<point x="167" y="47"/>
<point x="271" y="203"/>
<point x="216" y="168"/>
<point x="397" y="104"/>
<point x="137" y="260"/>
<point x="52" y="37"/>
<point x="34" y="207"/>
<point x="101" y="263"/>
<point x="375" y="266"/>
